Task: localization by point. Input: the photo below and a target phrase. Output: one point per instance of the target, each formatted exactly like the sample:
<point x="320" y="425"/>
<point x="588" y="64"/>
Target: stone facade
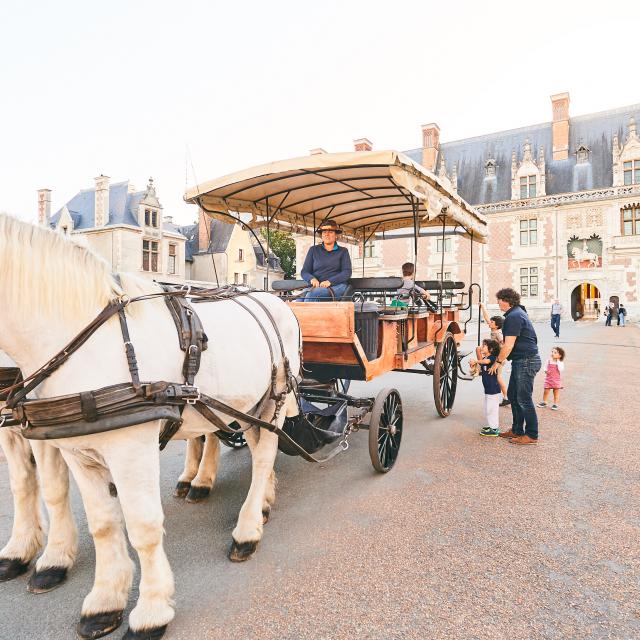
<point x="563" y="206"/>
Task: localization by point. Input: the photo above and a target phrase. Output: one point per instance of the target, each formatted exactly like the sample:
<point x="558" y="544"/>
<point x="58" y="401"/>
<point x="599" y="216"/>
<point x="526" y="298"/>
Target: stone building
<point x="562" y="200"/>
<point x="128" y="229"/>
<point x="221" y="252"/>
<point x="124" y="226"/>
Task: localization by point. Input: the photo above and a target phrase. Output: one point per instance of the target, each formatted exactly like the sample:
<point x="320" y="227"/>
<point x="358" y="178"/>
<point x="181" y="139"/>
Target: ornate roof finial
<point x="632" y="127"/>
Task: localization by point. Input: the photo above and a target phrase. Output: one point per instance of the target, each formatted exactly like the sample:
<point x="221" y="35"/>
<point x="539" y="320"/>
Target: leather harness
<point x="136" y="402"/>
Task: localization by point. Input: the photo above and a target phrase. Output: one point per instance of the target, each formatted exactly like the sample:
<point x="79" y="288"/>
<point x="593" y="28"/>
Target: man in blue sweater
<point x="327" y="267"/>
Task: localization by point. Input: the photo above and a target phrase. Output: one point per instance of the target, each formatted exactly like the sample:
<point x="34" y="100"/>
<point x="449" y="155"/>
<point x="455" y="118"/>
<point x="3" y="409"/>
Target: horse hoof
<point x="145" y="634"/>
<point x="98" y="624"/>
<point x="181" y="490"/>
<point x="47" y="579"/>
<point x="198" y="494"/>
<point x="266" y="512"/>
<point x="11" y="568"/>
<point x="241" y="551"/>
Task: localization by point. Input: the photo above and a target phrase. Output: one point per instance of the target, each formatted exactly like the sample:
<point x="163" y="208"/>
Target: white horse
<point x="68" y="286"/>
<point x="28" y="530"/>
<point x="579" y="255"/>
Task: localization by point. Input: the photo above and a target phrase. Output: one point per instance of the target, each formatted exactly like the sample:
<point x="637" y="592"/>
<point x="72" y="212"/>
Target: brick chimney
<point x="430" y="145"/>
<point x="102" y="201"/>
<point x="317" y="151"/>
<point x="44" y="207"/>
<point x="204" y="223"/>
<point x="560" y="108"/>
<point x="363" y="144"/>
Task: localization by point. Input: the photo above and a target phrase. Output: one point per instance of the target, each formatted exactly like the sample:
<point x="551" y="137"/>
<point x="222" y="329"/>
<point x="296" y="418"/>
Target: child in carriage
<point x="409" y="292"/>
<point x="489" y="351"/>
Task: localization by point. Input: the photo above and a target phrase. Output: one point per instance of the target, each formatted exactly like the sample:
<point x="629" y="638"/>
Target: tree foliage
<point x="284" y="246"/>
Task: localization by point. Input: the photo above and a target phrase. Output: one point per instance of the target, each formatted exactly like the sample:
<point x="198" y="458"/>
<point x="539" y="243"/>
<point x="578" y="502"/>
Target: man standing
<point x="521" y="347"/>
<point x="556" y="311"/>
<point x="327" y="267"/>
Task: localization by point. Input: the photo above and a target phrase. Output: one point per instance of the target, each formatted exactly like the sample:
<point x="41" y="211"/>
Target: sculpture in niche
<point x="584" y="253"/>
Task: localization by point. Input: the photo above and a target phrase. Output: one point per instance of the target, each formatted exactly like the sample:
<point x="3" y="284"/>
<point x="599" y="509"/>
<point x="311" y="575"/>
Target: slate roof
<point x="122" y="206"/>
<point x="274" y="261"/>
<point x="595" y="131"/>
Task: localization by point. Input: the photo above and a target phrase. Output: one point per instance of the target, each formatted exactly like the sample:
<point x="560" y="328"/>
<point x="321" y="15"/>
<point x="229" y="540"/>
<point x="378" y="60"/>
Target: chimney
<point x="560" y="108"/>
<point x="168" y="219"/>
<point x="44" y="207"/>
<point x="204" y="224"/>
<point x="363" y="144"/>
<point x="102" y="201"/>
<point x="317" y="151"/>
<point x="430" y="145"/>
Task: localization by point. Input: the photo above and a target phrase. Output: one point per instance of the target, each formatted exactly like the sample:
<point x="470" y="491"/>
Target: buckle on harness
<point x="192" y="399"/>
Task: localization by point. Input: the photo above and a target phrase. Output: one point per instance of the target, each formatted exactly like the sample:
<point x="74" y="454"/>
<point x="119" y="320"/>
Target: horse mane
<point x="44" y="271"/>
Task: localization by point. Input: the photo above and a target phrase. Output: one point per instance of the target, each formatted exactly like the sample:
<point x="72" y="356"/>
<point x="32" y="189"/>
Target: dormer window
<point x="490" y="169"/>
<point x="631" y="170"/>
<point x="527" y="187"/>
<point x="582" y="154"/>
<point x="150" y="218"/>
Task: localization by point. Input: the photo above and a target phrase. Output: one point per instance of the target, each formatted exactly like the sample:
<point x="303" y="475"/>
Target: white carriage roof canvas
<point x="363" y="191"/>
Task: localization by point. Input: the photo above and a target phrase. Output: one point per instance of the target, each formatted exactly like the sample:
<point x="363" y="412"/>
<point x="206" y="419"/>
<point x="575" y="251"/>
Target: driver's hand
<point x="325" y="284"/>
<point x="314" y="282"/>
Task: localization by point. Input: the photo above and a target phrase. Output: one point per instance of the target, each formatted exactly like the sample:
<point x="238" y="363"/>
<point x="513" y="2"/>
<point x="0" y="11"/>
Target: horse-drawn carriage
<point x="362" y="335"/>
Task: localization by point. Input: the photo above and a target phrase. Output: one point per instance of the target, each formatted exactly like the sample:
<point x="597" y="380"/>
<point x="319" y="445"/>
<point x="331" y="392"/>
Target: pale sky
<point x="124" y="88"/>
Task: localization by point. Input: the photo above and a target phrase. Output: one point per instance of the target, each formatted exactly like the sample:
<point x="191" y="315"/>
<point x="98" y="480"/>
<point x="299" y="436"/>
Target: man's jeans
<point x="555" y="323"/>
<point x="621" y="319"/>
<point x="322" y="294"/>
<point x="520" y="392"/>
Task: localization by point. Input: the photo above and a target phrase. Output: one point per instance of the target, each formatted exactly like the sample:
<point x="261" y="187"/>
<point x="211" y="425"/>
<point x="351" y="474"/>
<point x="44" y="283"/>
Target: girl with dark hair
<point x="489" y="351"/>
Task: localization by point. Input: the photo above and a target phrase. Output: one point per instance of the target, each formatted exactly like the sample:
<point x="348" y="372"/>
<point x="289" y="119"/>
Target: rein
<point x="126" y="404"/>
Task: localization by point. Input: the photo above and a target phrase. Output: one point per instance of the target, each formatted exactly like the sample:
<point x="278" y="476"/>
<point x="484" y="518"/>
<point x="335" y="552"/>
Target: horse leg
<point x="191" y="463"/>
<point x="27" y="533"/>
<point x="248" y="531"/>
<point x="104" y="605"/>
<point x="202" y="484"/>
<point x="136" y="473"/>
<point x="62" y="540"/>
<point x="252" y="437"/>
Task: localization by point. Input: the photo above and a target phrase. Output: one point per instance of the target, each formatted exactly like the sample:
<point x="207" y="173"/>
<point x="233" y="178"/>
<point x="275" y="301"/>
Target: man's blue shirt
<point x="334" y="266"/>
<point x="517" y="323"/>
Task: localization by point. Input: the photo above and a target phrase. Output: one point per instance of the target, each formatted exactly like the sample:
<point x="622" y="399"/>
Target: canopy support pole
<point x="444" y="222"/>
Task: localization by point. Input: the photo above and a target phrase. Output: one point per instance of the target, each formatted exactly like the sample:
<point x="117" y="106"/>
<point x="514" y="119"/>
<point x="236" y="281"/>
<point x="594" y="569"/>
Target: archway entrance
<point x="585" y="302"/>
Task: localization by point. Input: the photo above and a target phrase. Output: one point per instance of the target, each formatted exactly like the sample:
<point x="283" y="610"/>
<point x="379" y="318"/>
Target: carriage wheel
<point x="385" y="430"/>
<point x="237" y="440"/>
<point x="445" y="374"/>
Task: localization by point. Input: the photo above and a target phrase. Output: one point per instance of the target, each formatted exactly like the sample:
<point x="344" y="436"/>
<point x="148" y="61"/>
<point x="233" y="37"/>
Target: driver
<point x="327" y="267"/>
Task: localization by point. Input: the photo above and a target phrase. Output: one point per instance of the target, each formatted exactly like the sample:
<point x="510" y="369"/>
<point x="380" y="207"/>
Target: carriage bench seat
<point x="289" y="285"/>
<point x="436" y="285"/>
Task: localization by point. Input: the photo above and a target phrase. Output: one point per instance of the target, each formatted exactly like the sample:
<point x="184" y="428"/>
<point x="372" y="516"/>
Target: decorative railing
<point x="560" y="198"/>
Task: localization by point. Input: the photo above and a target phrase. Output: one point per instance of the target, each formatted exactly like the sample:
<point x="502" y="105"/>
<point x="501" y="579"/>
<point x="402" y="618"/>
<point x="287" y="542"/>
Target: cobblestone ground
<point x="466" y="538"/>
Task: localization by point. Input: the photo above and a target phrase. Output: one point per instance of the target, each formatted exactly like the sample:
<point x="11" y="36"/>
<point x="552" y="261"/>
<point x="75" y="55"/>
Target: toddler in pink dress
<point x="553" y="378"/>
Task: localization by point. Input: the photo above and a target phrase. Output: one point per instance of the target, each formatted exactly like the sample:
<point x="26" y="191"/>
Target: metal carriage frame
<point x="367" y="194"/>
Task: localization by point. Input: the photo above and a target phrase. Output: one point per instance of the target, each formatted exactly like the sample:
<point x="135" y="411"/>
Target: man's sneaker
<point x="505" y="402"/>
<point x="555" y="407"/>
<point x="523" y="440"/>
<point x="490" y="431"/>
<point x="507" y="434"/>
<point x="543" y="404"/>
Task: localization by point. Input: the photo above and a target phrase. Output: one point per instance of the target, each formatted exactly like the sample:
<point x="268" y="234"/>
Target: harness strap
<point x="132" y="361"/>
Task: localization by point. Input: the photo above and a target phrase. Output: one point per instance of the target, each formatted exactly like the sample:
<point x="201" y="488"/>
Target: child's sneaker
<point x="490" y="431"/>
<point x="542" y="405"/>
<point x="554" y="407"/>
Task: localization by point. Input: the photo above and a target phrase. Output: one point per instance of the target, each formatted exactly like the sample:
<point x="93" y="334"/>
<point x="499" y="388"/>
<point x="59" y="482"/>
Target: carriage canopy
<point x="365" y="192"/>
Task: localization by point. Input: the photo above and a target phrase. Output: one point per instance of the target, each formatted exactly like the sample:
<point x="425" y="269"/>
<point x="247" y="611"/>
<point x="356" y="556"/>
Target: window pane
<point x="637" y="176"/>
<point x="533" y="237"/>
<point x="627" y="165"/>
<point x="523" y="182"/>
<point x="637" y="227"/>
<point x="534" y="289"/>
<point x="627" y="177"/>
<point x="532" y="190"/>
<point x="523" y="271"/>
<point x="145" y="245"/>
<point x="626" y="214"/>
<point x="533" y="279"/>
<point x="532" y="180"/>
<point x="154" y="262"/>
<point x="533" y="224"/>
<point x="145" y="261"/>
<point x="524" y="280"/>
<point x="534" y="269"/>
<point x="523" y="192"/>
<point x="524" y="224"/>
<point x="447" y="275"/>
<point x="628" y="228"/>
<point x="524" y="238"/>
<point x="525" y="291"/>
